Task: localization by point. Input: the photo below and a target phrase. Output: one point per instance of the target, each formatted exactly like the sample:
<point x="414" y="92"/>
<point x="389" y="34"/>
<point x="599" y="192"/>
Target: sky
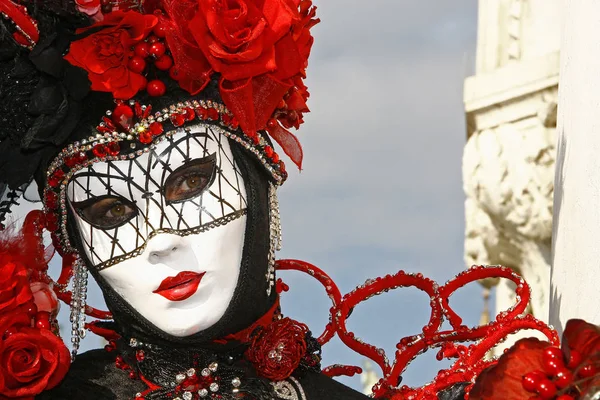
<point x="381" y="188"/>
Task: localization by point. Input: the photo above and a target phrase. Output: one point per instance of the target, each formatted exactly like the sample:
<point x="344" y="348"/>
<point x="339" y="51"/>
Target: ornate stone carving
<point x="508" y="176"/>
<point x="509" y="158"/>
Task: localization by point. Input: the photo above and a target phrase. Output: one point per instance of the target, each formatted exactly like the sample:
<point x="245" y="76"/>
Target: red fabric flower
<point x="91" y="8"/>
<point x="582" y="337"/>
<point x="14" y="283"/>
<point x="276" y="351"/>
<point x="291" y="115"/>
<point x="254" y="100"/>
<point x="238" y="36"/>
<point x="505" y="379"/>
<point x="33" y="360"/>
<point x="193" y="70"/>
<point x="106" y="53"/>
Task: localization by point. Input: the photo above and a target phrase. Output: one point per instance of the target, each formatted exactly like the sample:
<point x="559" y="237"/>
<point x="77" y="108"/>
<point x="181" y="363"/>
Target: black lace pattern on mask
<point x="154" y="214"/>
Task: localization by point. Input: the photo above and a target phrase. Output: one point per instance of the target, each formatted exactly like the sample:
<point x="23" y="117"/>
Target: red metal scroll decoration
<point x="470" y="360"/>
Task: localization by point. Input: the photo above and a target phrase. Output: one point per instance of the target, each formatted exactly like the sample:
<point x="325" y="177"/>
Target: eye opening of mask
<point x="106" y="212"/>
<point x="190" y="180"/>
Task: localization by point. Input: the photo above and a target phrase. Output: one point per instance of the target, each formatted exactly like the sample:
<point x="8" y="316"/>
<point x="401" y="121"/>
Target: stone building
<point x="509" y="157"/>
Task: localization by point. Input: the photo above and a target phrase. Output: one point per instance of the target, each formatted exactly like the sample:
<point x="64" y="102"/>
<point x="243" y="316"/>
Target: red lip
<point x="181" y="286"/>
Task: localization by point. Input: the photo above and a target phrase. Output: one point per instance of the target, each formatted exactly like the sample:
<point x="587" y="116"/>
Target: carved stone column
<point x="509" y="158"/>
<point x="576" y="261"/>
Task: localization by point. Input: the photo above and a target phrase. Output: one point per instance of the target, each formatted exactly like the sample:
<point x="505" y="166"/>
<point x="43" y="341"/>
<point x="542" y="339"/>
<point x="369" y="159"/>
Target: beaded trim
<point x="275" y="236"/>
<point x="131" y="130"/>
<point x="181" y="232"/>
<point x="78" y="304"/>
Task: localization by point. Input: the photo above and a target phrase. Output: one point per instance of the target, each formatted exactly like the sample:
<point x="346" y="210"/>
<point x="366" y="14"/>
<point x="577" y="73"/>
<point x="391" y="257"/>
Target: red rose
<point x="277" y="350"/>
<point x="14" y="284"/>
<point x="238" y="36"/>
<point x="191" y="68"/>
<point x="33" y="360"/>
<point x="105" y="54"/>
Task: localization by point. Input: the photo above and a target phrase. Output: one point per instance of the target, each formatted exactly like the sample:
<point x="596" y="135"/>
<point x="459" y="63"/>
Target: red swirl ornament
<point x="27" y="34"/>
<point x="470" y="360"/>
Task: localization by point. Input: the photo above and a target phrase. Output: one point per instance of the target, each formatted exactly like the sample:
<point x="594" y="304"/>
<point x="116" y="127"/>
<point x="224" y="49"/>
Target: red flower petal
<point x="504" y="380"/>
<point x="105" y="54"/>
<point x="35" y="360"/>
<point x="581" y="336"/>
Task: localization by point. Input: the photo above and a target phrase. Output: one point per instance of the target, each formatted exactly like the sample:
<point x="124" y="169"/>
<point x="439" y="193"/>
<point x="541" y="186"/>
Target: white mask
<point x="166" y="229"/>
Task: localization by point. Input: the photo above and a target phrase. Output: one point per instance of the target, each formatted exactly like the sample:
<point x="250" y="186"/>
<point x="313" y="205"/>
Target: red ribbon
<point x="253" y="102"/>
<point x="244" y="335"/>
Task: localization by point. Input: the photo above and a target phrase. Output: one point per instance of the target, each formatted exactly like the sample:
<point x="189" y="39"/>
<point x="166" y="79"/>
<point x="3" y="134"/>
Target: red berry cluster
<point x="153" y="50"/>
<point x="557" y="378"/>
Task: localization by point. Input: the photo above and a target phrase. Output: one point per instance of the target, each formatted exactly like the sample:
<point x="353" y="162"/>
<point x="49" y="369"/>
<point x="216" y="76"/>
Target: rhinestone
<point x="213" y="367"/>
<point x="205" y="372"/>
<point x="203" y="392"/>
<point x="236" y="382"/>
<point x="191" y="372"/>
<point x="214" y="387"/>
<point x="180" y="378"/>
<point x="187" y="396"/>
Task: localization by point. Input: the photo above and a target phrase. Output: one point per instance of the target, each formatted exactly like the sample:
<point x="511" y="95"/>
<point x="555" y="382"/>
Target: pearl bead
<point x="42" y="320"/>
<point x="575" y="359"/>
<point x="163" y="62"/>
<point x="552" y="353"/>
<point x="157" y="49"/>
<point x="137" y="64"/>
<point x="546" y="389"/>
<point x="587" y="371"/>
<point x="160" y="30"/>
<point x="564" y="378"/>
<point x="156" y="88"/>
<point x="142" y="50"/>
<point x="552" y="366"/>
<point x="531" y="380"/>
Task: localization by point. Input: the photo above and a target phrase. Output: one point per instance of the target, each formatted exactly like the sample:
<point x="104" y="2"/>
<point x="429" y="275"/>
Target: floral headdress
<point x="242" y="64"/>
<point x="258" y="49"/>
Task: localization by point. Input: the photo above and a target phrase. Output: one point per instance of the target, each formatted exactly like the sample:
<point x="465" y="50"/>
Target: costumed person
<point x="148" y="128"/>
